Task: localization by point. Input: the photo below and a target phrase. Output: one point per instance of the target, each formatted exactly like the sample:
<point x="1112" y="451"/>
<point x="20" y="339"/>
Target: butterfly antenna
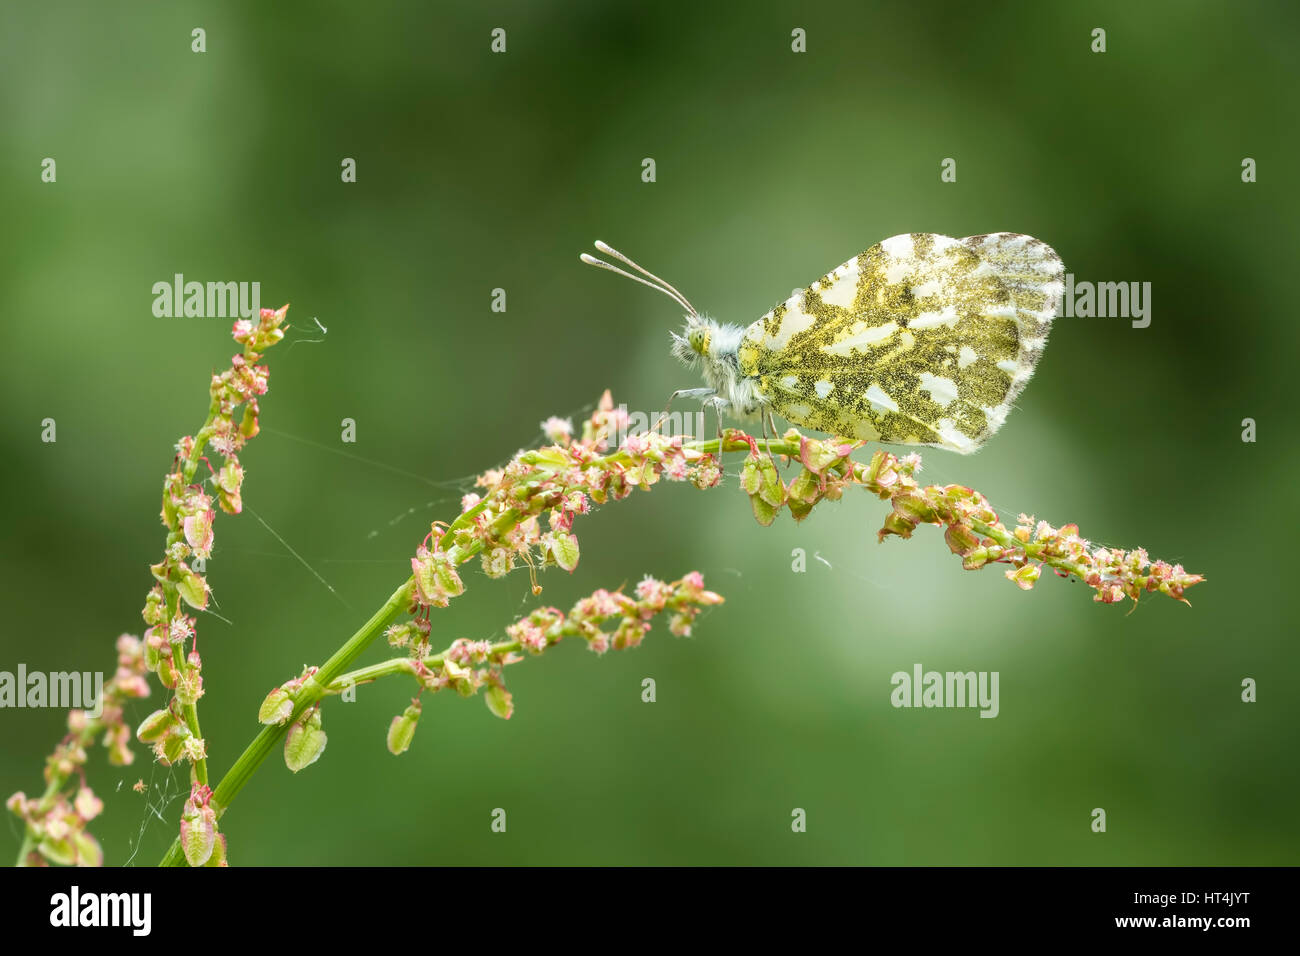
<point x="600" y="263"/>
<point x="658" y="283"/>
<point x="610" y="250"/>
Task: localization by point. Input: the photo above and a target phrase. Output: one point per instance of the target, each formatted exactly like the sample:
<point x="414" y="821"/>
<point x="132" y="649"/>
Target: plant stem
<point x="405" y="665"/>
<point x="1032" y="550"/>
<point x="190" y="713"/>
<point x="52" y="790"/>
<point x="312" y="691"/>
<point x="331" y="672"/>
<point x="315" y="686"/>
<point x="181" y="664"/>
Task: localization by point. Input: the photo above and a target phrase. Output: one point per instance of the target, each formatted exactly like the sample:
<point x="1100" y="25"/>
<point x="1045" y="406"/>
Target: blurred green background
<point x="478" y="171"/>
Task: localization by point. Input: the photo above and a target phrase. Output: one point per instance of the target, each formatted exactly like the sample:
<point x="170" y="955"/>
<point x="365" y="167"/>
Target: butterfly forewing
<point x="922" y="339"/>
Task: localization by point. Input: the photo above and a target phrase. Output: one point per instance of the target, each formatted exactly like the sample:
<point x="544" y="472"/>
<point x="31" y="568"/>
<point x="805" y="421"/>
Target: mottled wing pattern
<point x="922" y="339"/>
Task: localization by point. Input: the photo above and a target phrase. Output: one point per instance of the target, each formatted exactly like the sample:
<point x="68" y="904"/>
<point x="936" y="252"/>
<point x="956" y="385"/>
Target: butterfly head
<point x="696" y="341"/>
<point x="703" y="343"/>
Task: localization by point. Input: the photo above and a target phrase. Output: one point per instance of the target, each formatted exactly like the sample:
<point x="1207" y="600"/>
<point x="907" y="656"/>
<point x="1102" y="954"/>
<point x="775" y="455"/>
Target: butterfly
<point x="921" y="340"/>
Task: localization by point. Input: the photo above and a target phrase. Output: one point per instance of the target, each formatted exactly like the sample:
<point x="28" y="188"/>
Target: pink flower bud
<point x="155" y="609"/>
<point x="629" y="633"/>
<point x="500" y="701"/>
<point x="276" y="708"/>
<point x="248" y="422"/>
<point x="171" y="747"/>
<point x="305" y="741"/>
<point x="497" y="562"/>
<point x="1025" y="576"/>
<point x="817" y="456"/>
<point x="805" y="489"/>
<point x="707" y="473"/>
<point x="89" y="852"/>
<point x="189" y="686"/>
<point x="155" y="727"/>
<point x="961" y="540"/>
<point x="436" y="580"/>
<point x="764" y="513"/>
<point x="564" y="549"/>
<point x="192" y="588"/>
<point x="198" y="532"/>
<point x="87" y="805"/>
<point x="398" y="635"/>
<point x="653" y="592"/>
<point x="230" y="478"/>
<point x="60" y="852"/>
<point x="915" y="508"/>
<point x="680" y="623"/>
<point x="896" y="524"/>
<point x="198" y="827"/>
<point x="402" y="730"/>
<point x="558" y="431"/>
<point x="219" y="855"/>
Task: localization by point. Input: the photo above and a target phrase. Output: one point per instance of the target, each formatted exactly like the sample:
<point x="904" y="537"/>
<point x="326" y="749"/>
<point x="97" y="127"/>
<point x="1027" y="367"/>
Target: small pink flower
<point x="629" y="633"/>
<point x="558" y="431"/>
<point x="181" y="629"/>
<point x="653" y="592"/>
<point x="706" y="473"/>
<point x="198" y="532"/>
<point x="436" y="580"/>
<point x="529" y="635"/>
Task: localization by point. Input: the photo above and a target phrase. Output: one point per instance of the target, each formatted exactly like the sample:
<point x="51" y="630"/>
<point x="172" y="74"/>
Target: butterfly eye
<point x="698" y="339"/>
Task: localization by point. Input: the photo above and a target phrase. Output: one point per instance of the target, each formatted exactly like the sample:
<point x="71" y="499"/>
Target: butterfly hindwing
<point x="922" y="339"/>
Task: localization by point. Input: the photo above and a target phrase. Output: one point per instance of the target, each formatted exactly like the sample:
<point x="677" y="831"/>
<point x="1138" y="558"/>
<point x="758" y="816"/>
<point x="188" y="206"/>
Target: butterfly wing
<point x="922" y="339"/>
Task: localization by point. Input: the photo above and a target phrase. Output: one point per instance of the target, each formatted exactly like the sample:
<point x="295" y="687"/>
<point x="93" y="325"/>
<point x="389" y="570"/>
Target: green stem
<point x="190" y="713"/>
<point x="311" y="692"/>
<point x="180" y="663"/>
<point x="710" y="447"/>
<point x="404" y="665"/>
<point x="55" y="786"/>
<point x="331" y="672"/>
<point x="1032" y="550"/>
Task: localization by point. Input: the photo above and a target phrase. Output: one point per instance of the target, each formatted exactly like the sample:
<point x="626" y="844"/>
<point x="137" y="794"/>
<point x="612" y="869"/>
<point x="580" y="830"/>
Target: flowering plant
<point x="522" y="514"/>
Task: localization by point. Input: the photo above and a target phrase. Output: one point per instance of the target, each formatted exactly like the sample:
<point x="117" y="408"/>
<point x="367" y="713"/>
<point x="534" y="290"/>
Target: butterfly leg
<point x="765" y="418"/>
<point x="772" y="422"/>
<point x="682" y="393"/>
<point x="717" y="409"/>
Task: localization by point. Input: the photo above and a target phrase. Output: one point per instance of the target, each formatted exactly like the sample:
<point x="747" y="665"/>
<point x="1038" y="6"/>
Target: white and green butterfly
<point x="921" y="340"/>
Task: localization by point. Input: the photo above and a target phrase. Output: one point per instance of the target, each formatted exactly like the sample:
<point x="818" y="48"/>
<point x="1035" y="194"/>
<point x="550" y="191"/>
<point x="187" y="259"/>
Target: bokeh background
<point x="478" y="171"/>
